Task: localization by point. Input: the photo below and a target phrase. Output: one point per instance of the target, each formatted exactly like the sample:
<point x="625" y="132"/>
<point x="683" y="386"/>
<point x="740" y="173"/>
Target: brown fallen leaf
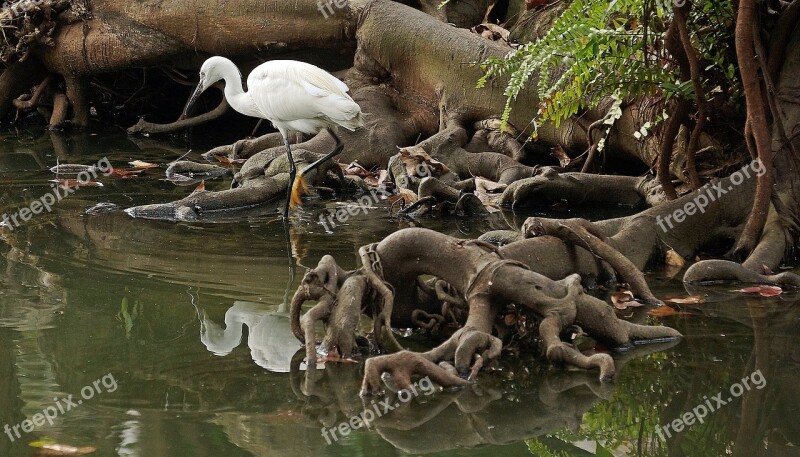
<point x="74" y="183"/>
<point x="488" y="192"/>
<point x="764" y="291"/>
<point x="624" y="300"/>
<point x="419" y="163"/>
<point x="225" y="160"/>
<point x="355" y="169"/>
<point x="664" y="311"/>
<point x="674" y="259"/>
<point x="491" y="31"/>
<point x="54" y="449"/>
<point x="127" y="173"/>
<point x="407" y="196"/>
<point x="201" y="186"/>
<point x="674" y="262"/>
<point x="690" y="300"/>
<point x="142" y="165"/>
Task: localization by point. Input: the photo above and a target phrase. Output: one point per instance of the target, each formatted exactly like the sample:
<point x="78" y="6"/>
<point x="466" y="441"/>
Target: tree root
<point x="373" y="270"/>
<point x="144" y="127"/>
<point x="584" y="234"/>
<point x="476" y="271"/>
<point x="709" y="271"/>
<point x="402" y="366"/>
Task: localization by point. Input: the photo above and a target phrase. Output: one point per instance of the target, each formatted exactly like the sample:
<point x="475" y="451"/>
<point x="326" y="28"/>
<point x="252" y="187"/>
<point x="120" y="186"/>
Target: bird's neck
<point x="236" y="96"/>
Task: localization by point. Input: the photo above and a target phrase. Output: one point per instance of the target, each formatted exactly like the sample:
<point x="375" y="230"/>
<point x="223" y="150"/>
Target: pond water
<point x="172" y="340"/>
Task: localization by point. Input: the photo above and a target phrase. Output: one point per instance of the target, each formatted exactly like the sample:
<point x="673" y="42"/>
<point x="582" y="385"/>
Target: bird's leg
<point x="297" y="188"/>
<point x="292" y="173"/>
<point x="336" y="150"/>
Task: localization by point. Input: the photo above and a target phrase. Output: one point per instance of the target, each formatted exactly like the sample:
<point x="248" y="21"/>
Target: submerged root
<point x="723" y="270"/>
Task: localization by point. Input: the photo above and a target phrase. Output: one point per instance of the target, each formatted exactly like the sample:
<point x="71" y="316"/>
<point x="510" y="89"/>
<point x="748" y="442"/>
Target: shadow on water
<point x="190" y="321"/>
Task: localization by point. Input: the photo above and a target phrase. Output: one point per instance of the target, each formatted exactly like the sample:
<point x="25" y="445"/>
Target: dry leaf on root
<point x="624" y="300"/>
<point x="488" y="191"/>
<point x="407" y="196"/>
<point x="225" y="160"/>
<point x="418" y="163"/>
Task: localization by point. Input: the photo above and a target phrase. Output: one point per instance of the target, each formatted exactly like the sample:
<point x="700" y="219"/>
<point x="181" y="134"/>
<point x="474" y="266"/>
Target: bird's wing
<point x="322" y="80"/>
<point x="288" y="91"/>
<point x="295" y="71"/>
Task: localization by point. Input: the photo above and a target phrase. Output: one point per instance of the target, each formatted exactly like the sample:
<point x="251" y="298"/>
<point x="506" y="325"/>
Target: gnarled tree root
<point x="488" y="282"/>
<point x="584" y="234"/>
<point x="709" y="271"/>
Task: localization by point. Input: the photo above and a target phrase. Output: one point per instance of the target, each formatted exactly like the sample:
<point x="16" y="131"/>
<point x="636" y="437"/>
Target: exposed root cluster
<point x="471" y="273"/>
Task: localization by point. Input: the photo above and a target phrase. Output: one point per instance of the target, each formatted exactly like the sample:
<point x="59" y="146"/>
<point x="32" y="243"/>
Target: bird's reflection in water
<point x="269" y="338"/>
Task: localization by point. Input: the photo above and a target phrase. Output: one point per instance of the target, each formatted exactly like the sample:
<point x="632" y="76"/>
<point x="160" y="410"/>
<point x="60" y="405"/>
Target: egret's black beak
<point x="199" y="90"/>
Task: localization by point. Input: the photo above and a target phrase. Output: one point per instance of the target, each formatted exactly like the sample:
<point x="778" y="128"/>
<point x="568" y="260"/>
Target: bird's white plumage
<point x="301" y="97"/>
<point x="294" y="96"/>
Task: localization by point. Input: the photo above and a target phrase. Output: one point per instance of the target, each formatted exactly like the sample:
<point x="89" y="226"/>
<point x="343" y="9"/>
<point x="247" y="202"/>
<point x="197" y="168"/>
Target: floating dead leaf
<point x="125" y="174"/>
<point x="763" y="290"/>
<point x="664" y="311"/>
<point x="624" y="300"/>
<point x="561" y="155"/>
<point x="142" y="165"/>
<point x="49" y="448"/>
<point x="419" y="163"/>
<point x="74" y="183"/>
<point x="407" y="196"/>
<point x="690" y="300"/>
<point x="225" y="160"/>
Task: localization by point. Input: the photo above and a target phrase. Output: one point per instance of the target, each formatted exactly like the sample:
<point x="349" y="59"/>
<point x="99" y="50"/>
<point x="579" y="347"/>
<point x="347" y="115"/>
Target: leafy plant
<point x="598" y="49"/>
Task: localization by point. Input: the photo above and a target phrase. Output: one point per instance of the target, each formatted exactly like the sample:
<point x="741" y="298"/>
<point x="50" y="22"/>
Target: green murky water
<point x="173" y="338"/>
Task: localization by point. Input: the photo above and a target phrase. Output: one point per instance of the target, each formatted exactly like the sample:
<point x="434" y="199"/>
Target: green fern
<point x="597" y="49"/>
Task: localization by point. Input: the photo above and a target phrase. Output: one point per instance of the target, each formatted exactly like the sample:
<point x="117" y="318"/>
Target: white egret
<point x="294" y="96"/>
